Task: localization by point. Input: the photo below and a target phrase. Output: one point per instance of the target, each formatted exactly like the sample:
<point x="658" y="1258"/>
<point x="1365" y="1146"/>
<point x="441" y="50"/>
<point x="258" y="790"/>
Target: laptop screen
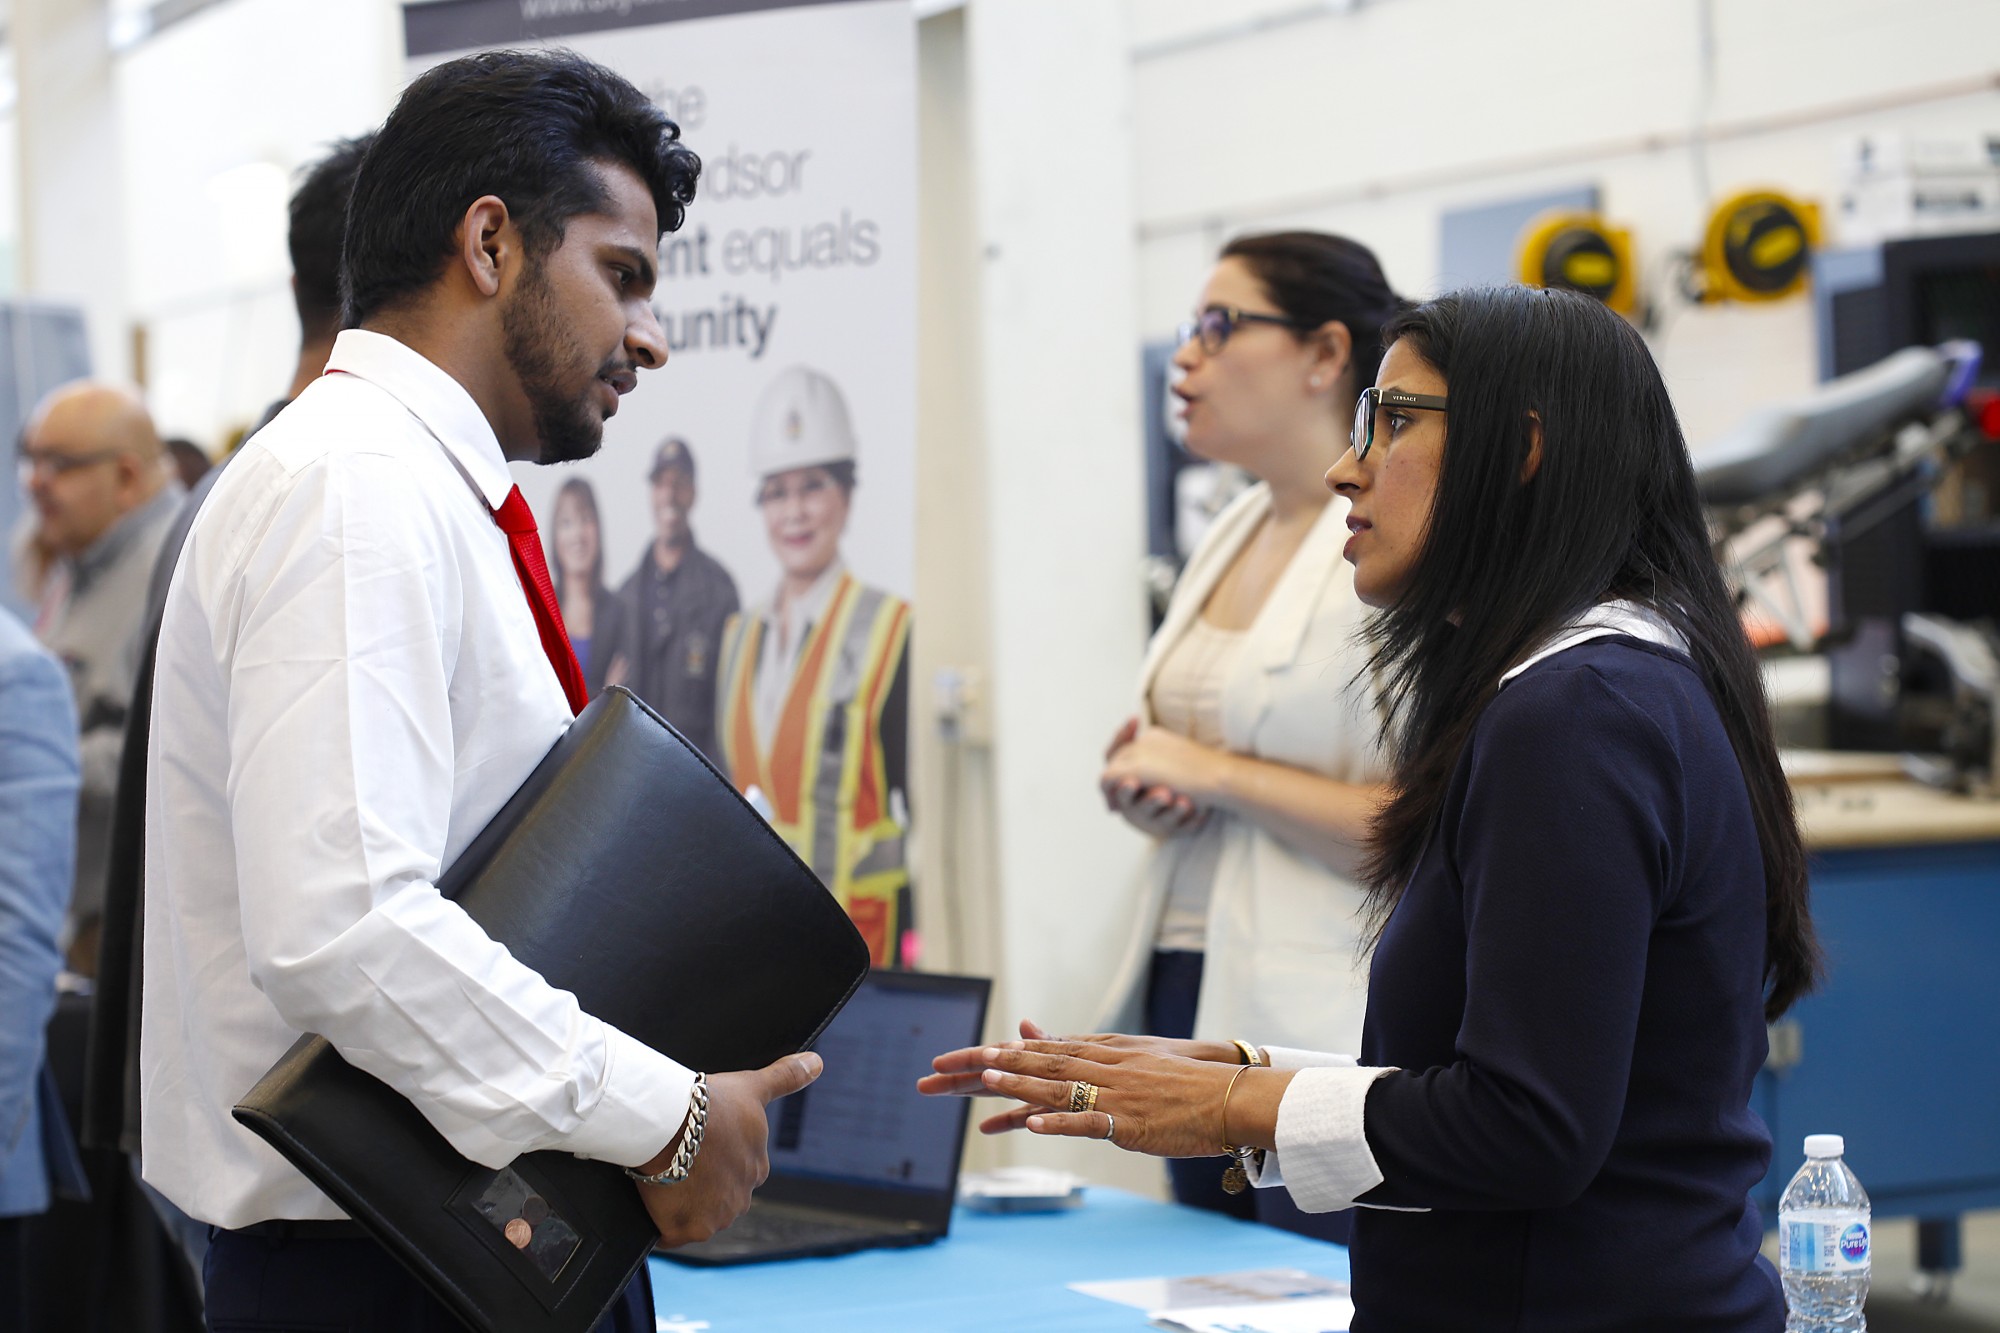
<point x="863" y="1121"/>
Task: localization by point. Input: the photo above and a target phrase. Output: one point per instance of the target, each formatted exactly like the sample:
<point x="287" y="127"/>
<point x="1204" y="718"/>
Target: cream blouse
<point x="1187" y="699"/>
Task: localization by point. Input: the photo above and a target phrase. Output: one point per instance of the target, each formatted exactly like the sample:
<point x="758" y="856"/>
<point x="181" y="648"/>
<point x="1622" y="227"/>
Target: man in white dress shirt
<point x="353" y="677"/>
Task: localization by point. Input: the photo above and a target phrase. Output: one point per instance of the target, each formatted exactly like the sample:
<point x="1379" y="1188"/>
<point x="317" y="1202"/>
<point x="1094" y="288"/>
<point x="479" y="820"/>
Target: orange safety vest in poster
<point x="824" y="771"/>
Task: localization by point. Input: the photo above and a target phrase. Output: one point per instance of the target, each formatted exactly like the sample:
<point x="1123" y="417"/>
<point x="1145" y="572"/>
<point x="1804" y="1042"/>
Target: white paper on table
<point x="1156" y="1294"/>
<point x="1308" y="1314"/>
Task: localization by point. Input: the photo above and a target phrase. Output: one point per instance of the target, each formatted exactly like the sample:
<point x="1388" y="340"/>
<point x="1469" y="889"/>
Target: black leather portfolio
<point x="628" y="872"/>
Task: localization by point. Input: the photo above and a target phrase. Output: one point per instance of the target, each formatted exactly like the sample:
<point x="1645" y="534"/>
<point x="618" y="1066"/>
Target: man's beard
<point x="568" y="429"/>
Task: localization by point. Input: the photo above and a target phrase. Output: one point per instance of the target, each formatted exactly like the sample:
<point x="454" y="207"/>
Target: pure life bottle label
<point x="1811" y="1246"/>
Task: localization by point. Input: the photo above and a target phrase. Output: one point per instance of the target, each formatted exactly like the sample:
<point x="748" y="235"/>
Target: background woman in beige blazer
<point x="1252" y="757"/>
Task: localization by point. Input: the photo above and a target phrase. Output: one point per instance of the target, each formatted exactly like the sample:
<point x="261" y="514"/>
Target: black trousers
<point x="13" y="1273"/>
<point x="102" y="1265"/>
<point x="1172" y="988"/>
<point x="259" y="1283"/>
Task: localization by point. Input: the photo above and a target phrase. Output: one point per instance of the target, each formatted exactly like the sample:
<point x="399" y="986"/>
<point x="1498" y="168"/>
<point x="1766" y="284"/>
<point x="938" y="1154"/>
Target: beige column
<point x="1052" y="410"/>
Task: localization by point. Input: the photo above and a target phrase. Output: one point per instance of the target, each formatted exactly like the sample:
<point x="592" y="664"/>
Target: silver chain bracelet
<point x="697" y="1125"/>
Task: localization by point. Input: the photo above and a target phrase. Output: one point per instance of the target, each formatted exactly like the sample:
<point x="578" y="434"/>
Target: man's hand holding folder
<point x="629" y="873"/>
<point x="734" y="1157"/>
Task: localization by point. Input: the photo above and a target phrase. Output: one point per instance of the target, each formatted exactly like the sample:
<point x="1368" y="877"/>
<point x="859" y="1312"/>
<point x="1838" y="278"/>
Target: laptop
<point x="861" y="1160"/>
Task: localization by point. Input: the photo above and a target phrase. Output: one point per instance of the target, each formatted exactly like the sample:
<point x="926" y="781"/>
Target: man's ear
<point x="131" y="476"/>
<point x="1534" y="463"/>
<point x="487" y="240"/>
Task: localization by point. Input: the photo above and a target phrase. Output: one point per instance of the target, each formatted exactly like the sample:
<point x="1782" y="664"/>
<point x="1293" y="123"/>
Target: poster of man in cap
<point x="673" y="606"/>
<point x="814" y="707"/>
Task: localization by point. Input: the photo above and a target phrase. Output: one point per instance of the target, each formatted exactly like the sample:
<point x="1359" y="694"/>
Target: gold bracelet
<point x="1249" y="1053"/>
<point x="1234" y="1178"/>
<point x="1228" y="1147"/>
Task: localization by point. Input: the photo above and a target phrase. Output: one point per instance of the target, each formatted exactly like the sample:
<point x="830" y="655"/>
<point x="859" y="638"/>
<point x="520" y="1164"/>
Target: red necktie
<point x="518" y="522"/>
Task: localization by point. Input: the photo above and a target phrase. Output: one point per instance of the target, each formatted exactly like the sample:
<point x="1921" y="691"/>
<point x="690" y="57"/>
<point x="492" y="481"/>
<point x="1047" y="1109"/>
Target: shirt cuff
<point x="1287" y="1057"/>
<point x="1322" y="1158"/>
<point x="645" y="1100"/>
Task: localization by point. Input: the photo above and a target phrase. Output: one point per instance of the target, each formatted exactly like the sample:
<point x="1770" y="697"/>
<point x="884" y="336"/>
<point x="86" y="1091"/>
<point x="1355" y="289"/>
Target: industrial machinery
<point x="1874" y="299"/>
<point x="1844" y="468"/>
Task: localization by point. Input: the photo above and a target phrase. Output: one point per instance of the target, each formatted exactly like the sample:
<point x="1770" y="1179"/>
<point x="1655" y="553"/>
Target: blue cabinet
<point x="1900" y="1048"/>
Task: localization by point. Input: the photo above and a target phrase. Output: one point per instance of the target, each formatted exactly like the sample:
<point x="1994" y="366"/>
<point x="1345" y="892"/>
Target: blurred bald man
<point x="104" y="498"/>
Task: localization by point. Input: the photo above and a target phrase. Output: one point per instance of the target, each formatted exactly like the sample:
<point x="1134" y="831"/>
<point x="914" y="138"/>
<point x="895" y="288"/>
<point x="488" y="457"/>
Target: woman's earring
<point x="1315" y="381"/>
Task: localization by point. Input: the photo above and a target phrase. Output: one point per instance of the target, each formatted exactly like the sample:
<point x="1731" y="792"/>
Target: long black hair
<point x="1314" y="277"/>
<point x="1513" y="554"/>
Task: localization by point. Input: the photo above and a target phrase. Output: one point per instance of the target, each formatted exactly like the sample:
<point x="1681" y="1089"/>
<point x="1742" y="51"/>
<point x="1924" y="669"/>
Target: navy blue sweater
<point x="1572" y="987"/>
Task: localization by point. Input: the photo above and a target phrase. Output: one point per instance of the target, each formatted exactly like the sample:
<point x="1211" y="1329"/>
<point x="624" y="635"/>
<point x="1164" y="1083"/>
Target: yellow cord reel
<point x="1758" y="247"/>
<point x="1581" y="252"/>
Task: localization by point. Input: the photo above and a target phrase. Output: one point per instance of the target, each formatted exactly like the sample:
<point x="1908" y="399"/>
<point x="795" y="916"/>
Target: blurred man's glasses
<point x="58" y="464"/>
<point x="1374" y="402"/>
<point x="1213" y="326"/>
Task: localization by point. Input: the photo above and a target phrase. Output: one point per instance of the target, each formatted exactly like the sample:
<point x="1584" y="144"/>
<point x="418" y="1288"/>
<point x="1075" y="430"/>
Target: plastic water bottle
<point x="1823" y="1243"/>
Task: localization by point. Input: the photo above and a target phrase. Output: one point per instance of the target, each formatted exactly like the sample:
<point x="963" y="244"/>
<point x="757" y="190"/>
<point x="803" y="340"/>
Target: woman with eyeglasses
<point x="1588" y="890"/>
<point x="1251" y="759"/>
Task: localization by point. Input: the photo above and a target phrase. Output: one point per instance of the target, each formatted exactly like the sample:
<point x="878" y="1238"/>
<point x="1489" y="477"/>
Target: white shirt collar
<point x="1623" y="618"/>
<point x="432" y="397"/>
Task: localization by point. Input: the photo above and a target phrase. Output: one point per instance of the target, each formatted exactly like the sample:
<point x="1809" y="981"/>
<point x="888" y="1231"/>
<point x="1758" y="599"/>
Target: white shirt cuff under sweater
<point x="1322" y="1158"/>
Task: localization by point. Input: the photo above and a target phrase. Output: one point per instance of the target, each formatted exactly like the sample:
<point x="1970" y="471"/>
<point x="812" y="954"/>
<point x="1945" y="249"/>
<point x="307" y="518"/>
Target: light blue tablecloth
<point x="990" y="1273"/>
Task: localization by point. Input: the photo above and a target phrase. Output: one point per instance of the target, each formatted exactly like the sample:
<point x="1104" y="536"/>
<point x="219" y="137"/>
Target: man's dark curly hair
<point x="525" y="126"/>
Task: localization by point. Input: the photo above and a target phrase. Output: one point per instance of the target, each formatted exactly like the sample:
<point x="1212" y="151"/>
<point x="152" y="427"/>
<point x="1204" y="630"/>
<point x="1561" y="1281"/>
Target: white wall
<point x="149" y="185"/>
<point x="72" y="222"/>
<point x="10" y="177"/>
<point x="215" y="115"/>
<point x="1372" y="122"/>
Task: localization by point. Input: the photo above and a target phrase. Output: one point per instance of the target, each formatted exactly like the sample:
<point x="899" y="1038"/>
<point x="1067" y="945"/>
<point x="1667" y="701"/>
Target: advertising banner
<point x="741" y="551"/>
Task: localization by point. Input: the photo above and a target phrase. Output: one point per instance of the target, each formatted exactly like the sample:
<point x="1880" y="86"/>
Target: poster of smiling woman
<point x="740" y="553"/>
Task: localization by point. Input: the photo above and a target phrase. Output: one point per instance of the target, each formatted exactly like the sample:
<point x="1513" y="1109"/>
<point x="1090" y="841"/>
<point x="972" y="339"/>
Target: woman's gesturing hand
<point x="1157" y="812"/>
<point x="1157" y="757"/>
<point x="959" y="1071"/>
<point x="1149" y="1098"/>
<point x="1156" y="808"/>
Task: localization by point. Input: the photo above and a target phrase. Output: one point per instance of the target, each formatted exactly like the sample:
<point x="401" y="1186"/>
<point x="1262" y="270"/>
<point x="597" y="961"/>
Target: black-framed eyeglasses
<point x="1373" y="402"/>
<point x="1214" y="325"/>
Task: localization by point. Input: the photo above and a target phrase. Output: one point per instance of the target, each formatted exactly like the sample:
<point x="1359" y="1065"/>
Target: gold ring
<point x="1082" y="1096"/>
